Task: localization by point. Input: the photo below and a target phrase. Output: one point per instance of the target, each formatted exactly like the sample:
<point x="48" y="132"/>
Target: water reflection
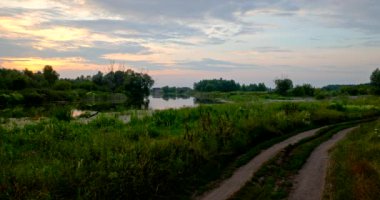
<point x="166" y="103"/>
<point x="77" y="113"/>
<point x="89" y="109"/>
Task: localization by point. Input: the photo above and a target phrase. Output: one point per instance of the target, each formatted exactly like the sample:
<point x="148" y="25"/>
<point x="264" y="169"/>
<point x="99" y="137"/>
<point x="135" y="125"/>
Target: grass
<point x="167" y="155"/>
<point x="354" y="171"/>
<point x="274" y="179"/>
<point x="240" y="96"/>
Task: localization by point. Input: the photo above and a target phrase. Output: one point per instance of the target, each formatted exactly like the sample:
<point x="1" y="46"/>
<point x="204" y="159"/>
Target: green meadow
<point x="169" y="154"/>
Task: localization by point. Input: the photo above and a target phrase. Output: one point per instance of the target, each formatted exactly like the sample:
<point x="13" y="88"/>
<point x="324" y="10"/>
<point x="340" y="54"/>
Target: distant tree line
<point x="285" y="87"/>
<point x="43" y="86"/>
<point x="19" y="80"/>
<point x="260" y="87"/>
<point x="221" y="85"/>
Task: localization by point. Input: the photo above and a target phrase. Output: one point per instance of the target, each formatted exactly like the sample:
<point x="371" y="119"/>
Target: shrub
<point x="62" y="113"/>
<point x="283" y="86"/>
<point x="31" y="97"/>
<point x="62" y="85"/>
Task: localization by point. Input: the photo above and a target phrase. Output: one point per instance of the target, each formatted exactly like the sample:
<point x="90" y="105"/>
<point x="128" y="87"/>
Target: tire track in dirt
<point x="243" y="174"/>
<point x="310" y="181"/>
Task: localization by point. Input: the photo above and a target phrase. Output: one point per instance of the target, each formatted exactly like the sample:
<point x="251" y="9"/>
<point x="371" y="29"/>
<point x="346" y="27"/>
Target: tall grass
<point x="164" y="156"/>
<point x="355" y="166"/>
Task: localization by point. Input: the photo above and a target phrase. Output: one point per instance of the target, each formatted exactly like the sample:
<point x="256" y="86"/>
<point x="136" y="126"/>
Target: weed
<point x="168" y="155"/>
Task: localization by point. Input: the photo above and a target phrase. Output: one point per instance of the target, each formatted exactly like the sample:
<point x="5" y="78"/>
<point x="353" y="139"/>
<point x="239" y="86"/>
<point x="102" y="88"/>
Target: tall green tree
<point x="283" y="86"/>
<point x="216" y="85"/>
<point x="49" y="74"/>
<point x="303" y="90"/>
<point x="98" y="78"/>
<point x="137" y="85"/>
<point x="375" y="80"/>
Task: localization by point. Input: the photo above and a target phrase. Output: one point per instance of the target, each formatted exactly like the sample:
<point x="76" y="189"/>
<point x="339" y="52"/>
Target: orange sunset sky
<point x="179" y="42"/>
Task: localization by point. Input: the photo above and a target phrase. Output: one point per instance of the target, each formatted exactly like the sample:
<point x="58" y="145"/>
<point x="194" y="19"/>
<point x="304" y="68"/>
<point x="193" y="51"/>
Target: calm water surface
<point x="44" y="110"/>
<point x="160" y="103"/>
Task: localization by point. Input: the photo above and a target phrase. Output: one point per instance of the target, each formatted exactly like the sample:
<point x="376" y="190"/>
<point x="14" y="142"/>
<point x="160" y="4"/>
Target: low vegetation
<point x="355" y="168"/>
<point x="167" y="155"/>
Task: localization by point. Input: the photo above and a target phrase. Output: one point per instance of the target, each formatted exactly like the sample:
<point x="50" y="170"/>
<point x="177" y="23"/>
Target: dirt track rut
<point x="310" y="181"/>
<point x="243" y="174"/>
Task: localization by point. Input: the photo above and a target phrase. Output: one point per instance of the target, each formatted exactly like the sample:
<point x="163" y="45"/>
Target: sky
<point x="180" y="42"/>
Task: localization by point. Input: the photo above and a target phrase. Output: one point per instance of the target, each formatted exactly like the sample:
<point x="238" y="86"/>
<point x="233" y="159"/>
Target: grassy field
<point x="239" y="96"/>
<point x="168" y="155"/>
<point x="355" y="167"/>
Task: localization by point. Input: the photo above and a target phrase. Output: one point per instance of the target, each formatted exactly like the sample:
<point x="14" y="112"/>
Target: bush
<point x="17" y="97"/>
<point x="303" y="90"/>
<point x="337" y="106"/>
<point x="31" y="97"/>
<point x="62" y="85"/>
<point x="4" y="99"/>
<point x="321" y="94"/>
<point x="62" y="113"/>
<point x="283" y="86"/>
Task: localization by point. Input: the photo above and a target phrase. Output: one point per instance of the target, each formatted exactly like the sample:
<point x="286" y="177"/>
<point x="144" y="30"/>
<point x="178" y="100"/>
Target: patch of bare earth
<point x="310" y="181"/>
<point x="245" y="173"/>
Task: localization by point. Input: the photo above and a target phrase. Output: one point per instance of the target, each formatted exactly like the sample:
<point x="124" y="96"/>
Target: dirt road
<point x="242" y="175"/>
<point x="310" y="181"/>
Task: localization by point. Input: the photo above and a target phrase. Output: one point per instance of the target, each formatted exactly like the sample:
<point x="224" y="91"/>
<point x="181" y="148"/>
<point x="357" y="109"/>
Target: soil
<point x="310" y="181"/>
<point x="245" y="173"/>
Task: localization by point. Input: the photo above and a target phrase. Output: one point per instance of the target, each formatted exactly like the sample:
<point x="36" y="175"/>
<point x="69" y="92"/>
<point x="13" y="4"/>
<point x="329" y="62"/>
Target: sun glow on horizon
<point x="251" y="40"/>
<point x="36" y="64"/>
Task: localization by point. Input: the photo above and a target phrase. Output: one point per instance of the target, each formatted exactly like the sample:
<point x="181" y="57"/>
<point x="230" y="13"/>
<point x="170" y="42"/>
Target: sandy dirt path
<point x="310" y="181"/>
<point x="243" y="174"/>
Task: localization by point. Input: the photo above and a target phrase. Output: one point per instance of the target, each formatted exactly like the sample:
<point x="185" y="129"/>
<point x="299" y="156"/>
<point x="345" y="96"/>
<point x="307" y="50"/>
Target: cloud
<point x="360" y="15"/>
<point x="171" y="9"/>
<point x="203" y="36"/>
<point x="208" y="64"/>
<point x="269" y="49"/>
<point x="52" y="37"/>
<point x="128" y="57"/>
<point x="37" y="63"/>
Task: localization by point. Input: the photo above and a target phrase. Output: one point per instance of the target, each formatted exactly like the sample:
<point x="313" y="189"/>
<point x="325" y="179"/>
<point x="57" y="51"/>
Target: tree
<point x="303" y="90"/>
<point x="119" y="77"/>
<point x="137" y="85"/>
<point x="50" y="75"/>
<point x="28" y="73"/>
<point x="18" y="83"/>
<point x="261" y="87"/>
<point x="298" y="91"/>
<point x="62" y="85"/>
<point x="98" y="78"/>
<point x="283" y="86"/>
<point x="216" y="85"/>
<point x="375" y="80"/>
